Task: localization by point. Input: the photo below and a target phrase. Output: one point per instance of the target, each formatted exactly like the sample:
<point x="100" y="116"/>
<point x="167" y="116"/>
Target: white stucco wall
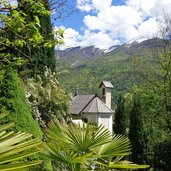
<point x="93" y="118"/>
<point x="106" y="120"/>
<point x="77" y="121"/>
<point x="100" y="119"/>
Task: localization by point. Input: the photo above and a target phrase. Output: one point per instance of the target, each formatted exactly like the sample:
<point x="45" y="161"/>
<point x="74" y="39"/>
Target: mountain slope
<point x="78" y="55"/>
<point x="124" y="66"/>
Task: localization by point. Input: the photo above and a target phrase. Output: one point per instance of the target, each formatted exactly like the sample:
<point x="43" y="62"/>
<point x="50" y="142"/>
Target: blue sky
<point x="75" y="20"/>
<point x="104" y="23"/>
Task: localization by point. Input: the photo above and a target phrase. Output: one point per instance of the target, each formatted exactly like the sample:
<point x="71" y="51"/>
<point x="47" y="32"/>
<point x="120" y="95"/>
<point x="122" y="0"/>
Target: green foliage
<point x="163" y="155"/>
<point x="44" y="55"/>
<point x="18" y="32"/>
<point x="120" y="118"/>
<point x="13" y="101"/>
<point x="47" y="98"/>
<point x="116" y="67"/>
<point x="154" y="118"/>
<point x="21" y="32"/>
<point x="14" y="147"/>
<point x="137" y="135"/>
<point x="85" y="147"/>
<point x="47" y="165"/>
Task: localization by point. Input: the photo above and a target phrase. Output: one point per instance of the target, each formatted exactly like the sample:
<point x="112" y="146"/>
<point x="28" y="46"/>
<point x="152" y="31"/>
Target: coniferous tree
<point x="46" y="55"/>
<point x="137" y="134"/>
<point x="162" y="159"/>
<point x="119" y="121"/>
<point x="13" y="101"/>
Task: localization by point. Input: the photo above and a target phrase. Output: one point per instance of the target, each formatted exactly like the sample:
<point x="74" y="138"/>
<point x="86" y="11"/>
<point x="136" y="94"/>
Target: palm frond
<point x="6" y="126"/>
<point x="82" y="138"/>
<point x="17" y="166"/>
<point x="65" y="159"/>
<point x="56" y="132"/>
<point x="76" y="147"/>
<point x="126" y="165"/>
<point x="121" y="165"/>
<point x="118" y="146"/>
<point x="16" y="146"/>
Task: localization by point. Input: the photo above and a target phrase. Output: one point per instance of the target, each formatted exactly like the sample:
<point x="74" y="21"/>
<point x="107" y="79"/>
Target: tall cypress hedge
<point x="120" y="120"/>
<point x="137" y="134"/>
<point x="13" y="101"/>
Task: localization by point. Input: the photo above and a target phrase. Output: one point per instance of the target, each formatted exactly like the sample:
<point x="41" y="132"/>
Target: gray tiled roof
<point x="107" y="84"/>
<point x="79" y="102"/>
<point x="97" y="106"/>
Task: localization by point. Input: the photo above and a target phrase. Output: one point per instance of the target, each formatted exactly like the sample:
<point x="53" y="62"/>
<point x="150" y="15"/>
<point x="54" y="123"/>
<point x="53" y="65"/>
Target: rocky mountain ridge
<point x="85" y="52"/>
<point x="77" y="56"/>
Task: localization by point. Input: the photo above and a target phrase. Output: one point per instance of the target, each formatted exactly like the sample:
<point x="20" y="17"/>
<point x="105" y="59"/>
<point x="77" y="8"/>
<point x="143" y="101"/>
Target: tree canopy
<point x="20" y="31"/>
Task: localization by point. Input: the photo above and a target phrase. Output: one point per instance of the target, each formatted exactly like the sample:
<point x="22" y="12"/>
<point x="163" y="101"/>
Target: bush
<point x="163" y="155"/>
<point x="13" y="101"/>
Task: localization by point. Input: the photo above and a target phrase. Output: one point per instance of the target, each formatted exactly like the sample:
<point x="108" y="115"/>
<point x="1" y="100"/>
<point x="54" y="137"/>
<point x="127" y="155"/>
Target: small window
<point x="103" y="94"/>
<point x="103" y="91"/>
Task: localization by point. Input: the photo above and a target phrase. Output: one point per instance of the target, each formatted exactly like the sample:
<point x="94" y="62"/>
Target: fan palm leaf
<point x="82" y="138"/>
<point x="85" y="147"/>
<point x="118" y="146"/>
<point x="16" y="146"/>
<point x="126" y="165"/>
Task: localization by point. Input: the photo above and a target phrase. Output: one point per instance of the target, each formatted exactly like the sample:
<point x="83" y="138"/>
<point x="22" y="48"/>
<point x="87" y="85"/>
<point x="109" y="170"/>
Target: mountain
<point x="110" y="48"/>
<point x="138" y="48"/>
<point x="123" y="65"/>
<point x="78" y="55"/>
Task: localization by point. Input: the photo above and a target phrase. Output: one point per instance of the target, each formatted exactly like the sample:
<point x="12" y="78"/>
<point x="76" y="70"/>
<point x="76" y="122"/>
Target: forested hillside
<point x="125" y="66"/>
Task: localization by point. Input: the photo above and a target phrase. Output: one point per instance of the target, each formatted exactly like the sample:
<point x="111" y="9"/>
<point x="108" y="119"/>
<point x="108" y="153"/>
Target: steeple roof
<point x="97" y="106"/>
<point x="79" y="102"/>
<point x="107" y="84"/>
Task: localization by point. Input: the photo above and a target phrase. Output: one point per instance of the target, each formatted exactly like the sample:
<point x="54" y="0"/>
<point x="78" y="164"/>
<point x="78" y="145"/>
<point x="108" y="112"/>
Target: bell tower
<point x="106" y="87"/>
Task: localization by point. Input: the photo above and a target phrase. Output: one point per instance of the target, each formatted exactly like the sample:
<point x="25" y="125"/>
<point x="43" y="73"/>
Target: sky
<point x="105" y="23"/>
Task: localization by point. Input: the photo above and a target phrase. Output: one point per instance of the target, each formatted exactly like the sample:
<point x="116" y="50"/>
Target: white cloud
<point x="152" y="7"/>
<point x="101" y="5"/>
<point x="72" y="37"/>
<point x="119" y="21"/>
<point x="106" y="24"/>
<point x="142" y="6"/>
<point x="84" y="5"/>
<point x="88" y="5"/>
<point x="99" y="39"/>
<point x="160" y="7"/>
<point x="148" y="29"/>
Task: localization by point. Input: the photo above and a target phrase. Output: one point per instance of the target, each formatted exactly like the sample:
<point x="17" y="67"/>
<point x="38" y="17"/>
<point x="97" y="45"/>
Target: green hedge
<point x="13" y="101"/>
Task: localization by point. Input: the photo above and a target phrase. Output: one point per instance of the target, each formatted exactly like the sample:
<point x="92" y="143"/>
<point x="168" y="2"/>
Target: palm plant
<point x="86" y="147"/>
<point x="14" y="147"/>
